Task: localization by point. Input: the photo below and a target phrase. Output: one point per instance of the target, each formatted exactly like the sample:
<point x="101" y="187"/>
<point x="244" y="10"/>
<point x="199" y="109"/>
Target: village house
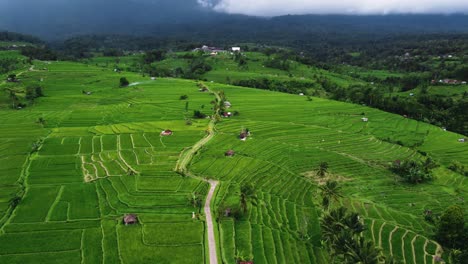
<point x="211" y="50"/>
<point x="462" y="140"/>
<point x="130" y="219"/>
<point x="236" y="49"/>
<point x="450" y="81"/>
<point x="365" y="119"/>
<point x="227" y="104"/>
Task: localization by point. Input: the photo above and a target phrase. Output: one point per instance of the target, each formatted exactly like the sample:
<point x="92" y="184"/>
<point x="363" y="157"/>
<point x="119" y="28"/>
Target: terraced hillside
<point x="101" y="157"/>
<point x="290" y="136"/>
<point x="75" y="162"/>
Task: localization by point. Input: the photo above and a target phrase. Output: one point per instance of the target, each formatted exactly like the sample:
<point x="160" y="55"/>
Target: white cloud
<point x="283" y="7"/>
<point x="205" y="3"/>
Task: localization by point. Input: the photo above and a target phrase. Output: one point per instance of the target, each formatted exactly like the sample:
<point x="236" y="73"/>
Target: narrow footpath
<point x="181" y="167"/>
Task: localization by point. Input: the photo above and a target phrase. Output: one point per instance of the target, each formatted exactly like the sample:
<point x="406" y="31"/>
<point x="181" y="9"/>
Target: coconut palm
<point x="332" y="223"/>
<point x="363" y="251"/>
<point x="322" y="169"/>
<point x="330" y="191"/>
<point x="353" y="223"/>
<point x="247" y="195"/>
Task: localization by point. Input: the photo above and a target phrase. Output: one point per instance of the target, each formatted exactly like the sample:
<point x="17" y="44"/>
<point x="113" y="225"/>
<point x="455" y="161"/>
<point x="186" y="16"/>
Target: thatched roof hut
<point x="243" y="135"/>
<point x="130" y="219"/>
<point x="166" y="132"/>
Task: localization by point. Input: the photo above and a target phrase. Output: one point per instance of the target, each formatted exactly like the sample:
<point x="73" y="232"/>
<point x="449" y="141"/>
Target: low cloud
<point x="282" y="7"/>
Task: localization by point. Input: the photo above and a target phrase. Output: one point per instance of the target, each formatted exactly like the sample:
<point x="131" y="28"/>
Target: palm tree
<point x="330" y="191"/>
<point x="363" y="251"/>
<point x="247" y="195"/>
<point x="322" y="169"/>
<point x="332" y="223"/>
<point x="353" y="223"/>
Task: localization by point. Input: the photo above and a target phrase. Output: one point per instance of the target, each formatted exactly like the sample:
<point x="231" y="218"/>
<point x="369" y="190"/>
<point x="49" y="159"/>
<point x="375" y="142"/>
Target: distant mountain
<point x="58" y="19"/>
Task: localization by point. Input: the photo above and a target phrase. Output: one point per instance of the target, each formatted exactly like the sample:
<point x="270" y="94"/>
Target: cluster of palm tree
<point x="342" y="232"/>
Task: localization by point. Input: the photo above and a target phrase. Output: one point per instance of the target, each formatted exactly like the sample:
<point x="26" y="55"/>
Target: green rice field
<point x="66" y="183"/>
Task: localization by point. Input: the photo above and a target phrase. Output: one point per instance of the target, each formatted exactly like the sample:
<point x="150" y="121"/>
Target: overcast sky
<point x="284" y="7"/>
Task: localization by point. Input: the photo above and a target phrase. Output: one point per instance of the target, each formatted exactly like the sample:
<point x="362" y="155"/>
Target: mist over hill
<point x="56" y="19"/>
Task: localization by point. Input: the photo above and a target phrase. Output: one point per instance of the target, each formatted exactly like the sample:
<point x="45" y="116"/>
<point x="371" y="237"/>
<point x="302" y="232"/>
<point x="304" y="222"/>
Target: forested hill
<point x="52" y="20"/>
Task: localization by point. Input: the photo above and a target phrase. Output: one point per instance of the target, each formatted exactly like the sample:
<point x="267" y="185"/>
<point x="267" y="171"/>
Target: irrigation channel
<point x="181" y="167"/>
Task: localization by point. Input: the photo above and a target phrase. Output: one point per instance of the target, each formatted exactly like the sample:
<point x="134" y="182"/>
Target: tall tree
<point x="322" y="169"/>
<point x="363" y="251"/>
<point x="451" y="228"/>
<point x="330" y="191"/>
<point x="124" y="82"/>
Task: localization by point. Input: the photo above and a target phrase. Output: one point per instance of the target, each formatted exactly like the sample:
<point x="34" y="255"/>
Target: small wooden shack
<point x="166" y="132"/>
<point x="130" y="219"/>
<point x="243" y="136"/>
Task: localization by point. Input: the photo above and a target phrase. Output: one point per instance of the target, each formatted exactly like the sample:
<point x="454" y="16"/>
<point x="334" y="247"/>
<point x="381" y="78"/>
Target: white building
<point x="236" y="49"/>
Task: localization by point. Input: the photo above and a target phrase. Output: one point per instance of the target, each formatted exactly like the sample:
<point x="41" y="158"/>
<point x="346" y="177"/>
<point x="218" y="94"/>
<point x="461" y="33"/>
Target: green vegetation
<point x="101" y="157"/>
<point x="77" y="154"/>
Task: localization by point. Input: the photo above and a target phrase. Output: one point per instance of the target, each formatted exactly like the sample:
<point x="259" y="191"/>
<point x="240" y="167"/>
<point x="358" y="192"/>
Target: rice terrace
<point x="296" y="139"/>
<point x="99" y="157"/>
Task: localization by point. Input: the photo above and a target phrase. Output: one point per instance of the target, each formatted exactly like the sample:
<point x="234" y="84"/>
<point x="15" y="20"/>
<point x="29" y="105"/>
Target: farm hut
<point x="230" y="153"/>
<point x="227" y="114"/>
<point x="301" y="94"/>
<point x="153" y="78"/>
<point x="462" y="140"/>
<point x="130" y="219"/>
<point x="365" y="119"/>
<point x="236" y="49"/>
<point x="243" y="136"/>
<point x="166" y="132"/>
<point x="227" y="104"/>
